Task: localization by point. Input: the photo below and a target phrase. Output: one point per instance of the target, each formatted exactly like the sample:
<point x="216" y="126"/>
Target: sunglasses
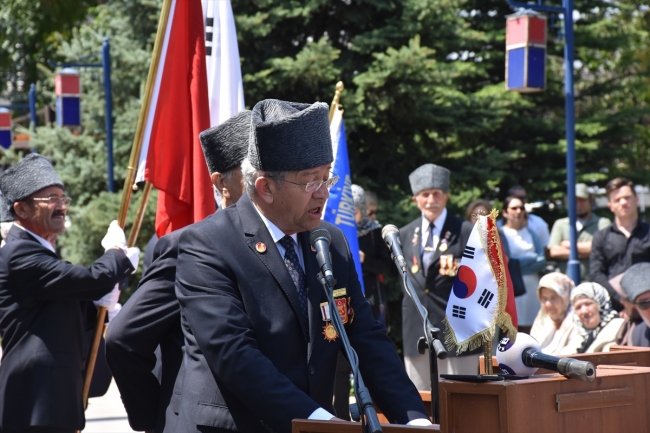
<point x="643" y="305"/>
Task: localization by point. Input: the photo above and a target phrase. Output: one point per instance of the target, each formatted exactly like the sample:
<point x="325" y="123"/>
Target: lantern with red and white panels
<point x="67" y="89"/>
<point x="526" y="51"/>
<point x="5" y="128"/>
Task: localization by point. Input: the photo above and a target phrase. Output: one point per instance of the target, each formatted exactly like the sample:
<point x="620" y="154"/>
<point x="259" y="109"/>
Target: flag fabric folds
<point x="171" y="157"/>
<point x="225" y="84"/>
<point x="482" y="295"/>
<point x="339" y="209"/>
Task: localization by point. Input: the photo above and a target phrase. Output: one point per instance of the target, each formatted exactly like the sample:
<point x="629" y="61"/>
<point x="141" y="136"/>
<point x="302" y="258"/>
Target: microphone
<point x="390" y="234"/>
<point x="320" y="239"/>
<point x="523" y="357"/>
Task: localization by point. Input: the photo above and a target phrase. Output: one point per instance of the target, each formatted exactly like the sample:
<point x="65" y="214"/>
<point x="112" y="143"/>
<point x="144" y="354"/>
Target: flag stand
<point x="487" y="357"/>
<point x="127" y="190"/>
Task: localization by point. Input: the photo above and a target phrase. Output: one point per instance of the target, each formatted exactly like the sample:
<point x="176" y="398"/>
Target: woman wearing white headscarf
<point x="597" y="323"/>
<point x="554" y="325"/>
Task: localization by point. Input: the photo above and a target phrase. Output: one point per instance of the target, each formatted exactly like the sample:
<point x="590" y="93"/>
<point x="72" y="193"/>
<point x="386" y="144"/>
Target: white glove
<point x="113" y="312"/>
<point x="114" y="237"/>
<point x="133" y="254"/>
<point x="110" y="299"/>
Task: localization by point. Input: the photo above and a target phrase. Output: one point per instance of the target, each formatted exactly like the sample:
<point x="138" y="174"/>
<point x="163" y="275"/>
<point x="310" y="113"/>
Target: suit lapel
<point x="446" y="227"/>
<point x="257" y="233"/>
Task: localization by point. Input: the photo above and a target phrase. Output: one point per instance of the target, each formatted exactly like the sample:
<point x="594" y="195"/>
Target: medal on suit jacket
<point x="444" y="243"/>
<point x="415" y="268"/>
<point x="343" y="305"/>
<point x="328" y="330"/>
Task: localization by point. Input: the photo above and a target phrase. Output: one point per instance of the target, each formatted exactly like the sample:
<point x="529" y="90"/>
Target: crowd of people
<point x="230" y="330"/>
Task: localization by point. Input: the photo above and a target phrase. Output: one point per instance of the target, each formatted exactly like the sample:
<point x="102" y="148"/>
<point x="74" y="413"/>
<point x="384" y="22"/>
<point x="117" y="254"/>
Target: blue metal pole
<point x="32" y="106"/>
<point x="106" y="63"/>
<point x="573" y="267"/>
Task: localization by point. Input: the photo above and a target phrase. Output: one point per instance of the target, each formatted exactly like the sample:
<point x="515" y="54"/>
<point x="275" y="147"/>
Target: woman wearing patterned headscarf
<point x="554" y="325"/>
<point x="597" y="323"/>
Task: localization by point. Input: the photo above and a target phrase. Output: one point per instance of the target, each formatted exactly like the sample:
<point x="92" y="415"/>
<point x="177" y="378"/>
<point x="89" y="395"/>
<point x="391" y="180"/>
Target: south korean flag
<point x="473" y="307"/>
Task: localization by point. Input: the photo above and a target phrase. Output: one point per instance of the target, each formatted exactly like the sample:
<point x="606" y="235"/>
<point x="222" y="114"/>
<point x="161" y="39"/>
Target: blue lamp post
<point x="108" y="95"/>
<point x="573" y="268"/>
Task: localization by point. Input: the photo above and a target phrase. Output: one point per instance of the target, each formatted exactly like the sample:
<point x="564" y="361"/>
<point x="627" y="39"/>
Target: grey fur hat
<point x="225" y="146"/>
<point x="429" y="176"/>
<point x="6" y="216"/>
<point x="289" y="136"/>
<point x="29" y="175"/>
<point x="636" y="280"/>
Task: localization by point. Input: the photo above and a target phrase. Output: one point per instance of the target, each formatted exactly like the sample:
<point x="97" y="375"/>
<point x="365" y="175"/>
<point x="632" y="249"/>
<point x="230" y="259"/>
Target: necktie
<point x="296" y="272"/>
<point x="427" y="254"/>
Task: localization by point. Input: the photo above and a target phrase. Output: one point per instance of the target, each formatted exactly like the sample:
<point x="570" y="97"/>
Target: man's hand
<point x="133" y="254"/>
<point x="110" y="299"/>
<point x="114" y="237"/>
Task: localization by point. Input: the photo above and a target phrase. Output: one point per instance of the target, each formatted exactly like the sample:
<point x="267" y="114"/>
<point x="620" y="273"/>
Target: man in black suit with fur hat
<point x="151" y="318"/>
<point x="42" y="310"/>
<point x="433" y="245"/>
<point x="251" y="302"/>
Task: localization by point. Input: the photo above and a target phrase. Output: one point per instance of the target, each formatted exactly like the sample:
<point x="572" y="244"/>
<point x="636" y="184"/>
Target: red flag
<point x="178" y="112"/>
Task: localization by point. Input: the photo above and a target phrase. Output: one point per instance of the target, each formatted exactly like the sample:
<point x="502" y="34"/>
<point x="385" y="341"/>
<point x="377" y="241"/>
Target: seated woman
<point x="597" y="323"/>
<point x="554" y="325"/>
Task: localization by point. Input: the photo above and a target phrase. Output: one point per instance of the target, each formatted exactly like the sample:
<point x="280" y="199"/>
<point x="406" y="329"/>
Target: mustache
<point x="57" y="213"/>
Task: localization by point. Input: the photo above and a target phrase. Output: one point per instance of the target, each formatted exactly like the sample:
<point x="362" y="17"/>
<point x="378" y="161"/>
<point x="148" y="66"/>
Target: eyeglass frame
<point x="331" y="181"/>
<point x="54" y="200"/>
<point x="643" y="305"/>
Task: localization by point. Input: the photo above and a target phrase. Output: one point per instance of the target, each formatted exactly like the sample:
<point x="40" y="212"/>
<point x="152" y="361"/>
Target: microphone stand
<point x="360" y="391"/>
<point x="429" y="341"/>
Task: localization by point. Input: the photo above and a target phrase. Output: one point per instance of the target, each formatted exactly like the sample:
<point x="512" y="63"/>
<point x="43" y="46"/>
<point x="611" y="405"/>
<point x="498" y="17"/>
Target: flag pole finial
<point x="337" y="97"/>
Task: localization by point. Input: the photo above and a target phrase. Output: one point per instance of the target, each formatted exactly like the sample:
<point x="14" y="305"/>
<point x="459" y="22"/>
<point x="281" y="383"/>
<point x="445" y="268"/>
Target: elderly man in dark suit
<point x="251" y="302"/>
<point x="42" y="310"/>
<point x="433" y="245"/>
<point x="151" y="318"/>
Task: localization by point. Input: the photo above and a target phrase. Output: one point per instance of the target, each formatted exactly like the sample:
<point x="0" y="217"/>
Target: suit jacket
<point x="434" y="289"/>
<point x="150" y="318"/>
<point x="245" y="321"/>
<point x="42" y="322"/>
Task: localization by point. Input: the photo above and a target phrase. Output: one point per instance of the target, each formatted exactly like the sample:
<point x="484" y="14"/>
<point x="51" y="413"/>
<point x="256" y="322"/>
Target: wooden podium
<point x="616" y="402"/>
<point x="307" y="426"/>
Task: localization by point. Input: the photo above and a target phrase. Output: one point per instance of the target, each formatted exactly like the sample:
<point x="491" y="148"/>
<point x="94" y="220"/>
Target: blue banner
<point x="340" y="205"/>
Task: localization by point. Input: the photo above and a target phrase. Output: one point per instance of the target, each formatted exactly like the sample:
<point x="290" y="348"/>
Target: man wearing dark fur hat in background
<point x="152" y="315"/>
<point x="251" y="302"/>
<point x="42" y="313"/>
<point x="433" y="245"/>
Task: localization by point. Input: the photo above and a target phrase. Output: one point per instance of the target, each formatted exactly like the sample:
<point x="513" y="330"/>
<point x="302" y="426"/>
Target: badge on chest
<point x="343" y="305"/>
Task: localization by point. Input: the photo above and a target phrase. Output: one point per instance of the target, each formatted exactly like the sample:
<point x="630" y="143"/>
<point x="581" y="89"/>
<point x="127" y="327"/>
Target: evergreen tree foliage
<point x="424" y="83"/>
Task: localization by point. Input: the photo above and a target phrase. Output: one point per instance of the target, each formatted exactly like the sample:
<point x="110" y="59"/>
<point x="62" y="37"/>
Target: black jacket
<point x="42" y="323"/>
<point x="150" y="318"/>
<point x="246" y="326"/>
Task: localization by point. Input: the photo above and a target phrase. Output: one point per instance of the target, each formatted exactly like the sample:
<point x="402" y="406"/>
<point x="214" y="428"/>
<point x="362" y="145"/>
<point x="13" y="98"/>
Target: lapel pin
<point x="260" y="247"/>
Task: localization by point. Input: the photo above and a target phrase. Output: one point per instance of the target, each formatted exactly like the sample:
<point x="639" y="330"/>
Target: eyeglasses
<point x="54" y="200"/>
<point x="643" y="305"/>
<point x="315" y="185"/>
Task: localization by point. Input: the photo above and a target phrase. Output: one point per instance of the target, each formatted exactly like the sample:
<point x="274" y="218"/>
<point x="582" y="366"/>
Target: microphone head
<point x="320" y="232"/>
<point x="387" y="230"/>
<point x="509" y="354"/>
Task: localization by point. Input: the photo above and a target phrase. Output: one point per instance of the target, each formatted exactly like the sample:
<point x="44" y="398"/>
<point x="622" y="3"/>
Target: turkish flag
<point x="178" y="112"/>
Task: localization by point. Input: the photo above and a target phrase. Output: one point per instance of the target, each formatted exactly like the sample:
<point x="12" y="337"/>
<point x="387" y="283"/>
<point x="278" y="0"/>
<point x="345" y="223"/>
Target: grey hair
<point x="251" y="174"/>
